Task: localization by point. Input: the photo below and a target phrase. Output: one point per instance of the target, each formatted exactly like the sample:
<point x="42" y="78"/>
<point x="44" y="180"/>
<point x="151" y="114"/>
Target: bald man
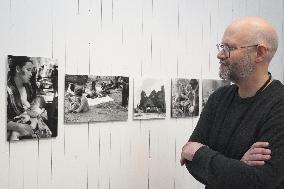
<point x="238" y="142"/>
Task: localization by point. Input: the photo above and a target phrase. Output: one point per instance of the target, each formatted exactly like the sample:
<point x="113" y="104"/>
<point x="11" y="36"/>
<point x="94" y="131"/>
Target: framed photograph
<point x="149" y="99"/>
<point x="90" y="98"/>
<point x="32" y="98"/>
<point x="209" y="86"/>
<point x="185" y="98"/>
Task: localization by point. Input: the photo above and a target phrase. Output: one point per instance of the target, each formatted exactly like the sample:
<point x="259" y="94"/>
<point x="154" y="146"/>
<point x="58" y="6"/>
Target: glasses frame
<point x="226" y="49"/>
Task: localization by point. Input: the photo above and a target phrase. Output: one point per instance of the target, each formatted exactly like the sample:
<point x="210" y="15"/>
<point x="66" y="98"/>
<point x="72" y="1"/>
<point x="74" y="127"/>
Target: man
<point x="238" y="142"/>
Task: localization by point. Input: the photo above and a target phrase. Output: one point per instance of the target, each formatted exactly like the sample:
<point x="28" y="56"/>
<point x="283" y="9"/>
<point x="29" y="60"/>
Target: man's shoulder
<point x="224" y="90"/>
<point x="276" y="89"/>
<point x="278" y="84"/>
<point x="273" y="96"/>
<point x="222" y="94"/>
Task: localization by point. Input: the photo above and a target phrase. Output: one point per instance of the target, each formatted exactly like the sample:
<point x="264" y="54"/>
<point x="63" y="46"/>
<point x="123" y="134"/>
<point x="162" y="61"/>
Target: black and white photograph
<point x="209" y="86"/>
<point x="90" y="98"/>
<point x="32" y="98"/>
<point x="149" y="99"/>
<point x="185" y="97"/>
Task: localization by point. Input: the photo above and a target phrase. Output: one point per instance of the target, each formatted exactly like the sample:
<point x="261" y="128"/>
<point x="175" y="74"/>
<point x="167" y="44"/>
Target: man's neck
<point x="249" y="86"/>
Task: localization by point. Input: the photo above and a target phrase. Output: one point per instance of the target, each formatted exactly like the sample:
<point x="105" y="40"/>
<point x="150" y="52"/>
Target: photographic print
<point x="90" y="98"/>
<point x="185" y="98"/>
<point x="32" y="98"/>
<point x="209" y="86"/>
<point x="149" y="99"/>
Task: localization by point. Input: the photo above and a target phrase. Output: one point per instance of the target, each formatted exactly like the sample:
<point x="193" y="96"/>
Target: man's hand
<point x="257" y="154"/>
<point x="188" y="151"/>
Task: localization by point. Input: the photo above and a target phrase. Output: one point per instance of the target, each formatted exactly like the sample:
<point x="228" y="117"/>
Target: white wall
<point x="162" y="38"/>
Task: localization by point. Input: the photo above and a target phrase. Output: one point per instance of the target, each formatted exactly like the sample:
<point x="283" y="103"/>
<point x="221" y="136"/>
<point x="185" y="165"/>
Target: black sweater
<point x="229" y="125"/>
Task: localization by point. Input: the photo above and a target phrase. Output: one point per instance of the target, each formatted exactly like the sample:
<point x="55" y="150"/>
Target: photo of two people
<point x="32" y="98"/>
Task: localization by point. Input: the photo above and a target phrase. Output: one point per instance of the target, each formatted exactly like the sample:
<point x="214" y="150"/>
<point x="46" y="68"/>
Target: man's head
<point x="247" y="47"/>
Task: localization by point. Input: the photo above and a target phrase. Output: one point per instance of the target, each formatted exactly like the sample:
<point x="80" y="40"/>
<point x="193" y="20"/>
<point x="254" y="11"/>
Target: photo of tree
<point x="149" y="99"/>
<point x="185" y="98"/>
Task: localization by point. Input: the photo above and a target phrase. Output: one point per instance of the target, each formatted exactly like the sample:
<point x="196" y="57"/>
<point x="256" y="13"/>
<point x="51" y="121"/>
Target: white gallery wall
<point x="135" y="38"/>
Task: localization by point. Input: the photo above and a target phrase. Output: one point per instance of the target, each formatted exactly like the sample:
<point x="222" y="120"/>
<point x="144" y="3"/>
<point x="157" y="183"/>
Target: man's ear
<point x="261" y="53"/>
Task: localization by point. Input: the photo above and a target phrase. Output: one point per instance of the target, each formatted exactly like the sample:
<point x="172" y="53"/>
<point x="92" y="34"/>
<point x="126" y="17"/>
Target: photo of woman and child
<point x="31" y="113"/>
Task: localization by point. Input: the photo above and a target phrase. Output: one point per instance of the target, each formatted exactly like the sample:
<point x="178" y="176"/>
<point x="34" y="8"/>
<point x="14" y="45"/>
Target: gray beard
<point x="238" y="71"/>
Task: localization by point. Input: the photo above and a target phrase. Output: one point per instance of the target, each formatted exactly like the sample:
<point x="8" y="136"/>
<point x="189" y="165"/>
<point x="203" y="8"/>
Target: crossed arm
<point x="258" y="153"/>
<point x="218" y="171"/>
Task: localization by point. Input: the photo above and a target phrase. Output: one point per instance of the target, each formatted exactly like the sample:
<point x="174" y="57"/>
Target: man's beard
<point x="236" y="71"/>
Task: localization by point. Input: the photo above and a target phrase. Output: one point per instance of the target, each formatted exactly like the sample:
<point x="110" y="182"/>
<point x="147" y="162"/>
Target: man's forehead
<point x="232" y="37"/>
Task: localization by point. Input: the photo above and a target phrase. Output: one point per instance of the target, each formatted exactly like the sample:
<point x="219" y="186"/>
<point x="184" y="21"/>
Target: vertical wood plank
<point x="4" y="145"/>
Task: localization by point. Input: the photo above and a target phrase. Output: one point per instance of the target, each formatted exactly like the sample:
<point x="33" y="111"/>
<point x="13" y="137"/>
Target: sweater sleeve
<point x="216" y="170"/>
<point x="200" y="133"/>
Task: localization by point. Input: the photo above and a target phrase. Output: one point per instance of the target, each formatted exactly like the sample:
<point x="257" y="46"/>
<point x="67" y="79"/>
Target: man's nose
<point x="221" y="55"/>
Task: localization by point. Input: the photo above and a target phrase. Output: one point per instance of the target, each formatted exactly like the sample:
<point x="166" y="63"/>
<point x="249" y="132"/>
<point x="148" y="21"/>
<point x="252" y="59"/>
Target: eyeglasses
<point x="227" y="50"/>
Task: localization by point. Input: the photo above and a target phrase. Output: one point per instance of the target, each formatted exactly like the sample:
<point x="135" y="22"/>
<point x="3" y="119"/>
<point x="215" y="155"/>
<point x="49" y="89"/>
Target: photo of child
<point x="34" y="116"/>
<point x="79" y="102"/>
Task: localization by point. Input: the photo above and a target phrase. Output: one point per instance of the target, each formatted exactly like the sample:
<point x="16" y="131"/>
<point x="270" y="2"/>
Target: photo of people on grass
<point x="90" y="98"/>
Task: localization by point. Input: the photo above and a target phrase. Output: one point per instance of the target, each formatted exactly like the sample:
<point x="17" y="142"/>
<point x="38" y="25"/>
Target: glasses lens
<point x="219" y="47"/>
<point x="224" y="49"/>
